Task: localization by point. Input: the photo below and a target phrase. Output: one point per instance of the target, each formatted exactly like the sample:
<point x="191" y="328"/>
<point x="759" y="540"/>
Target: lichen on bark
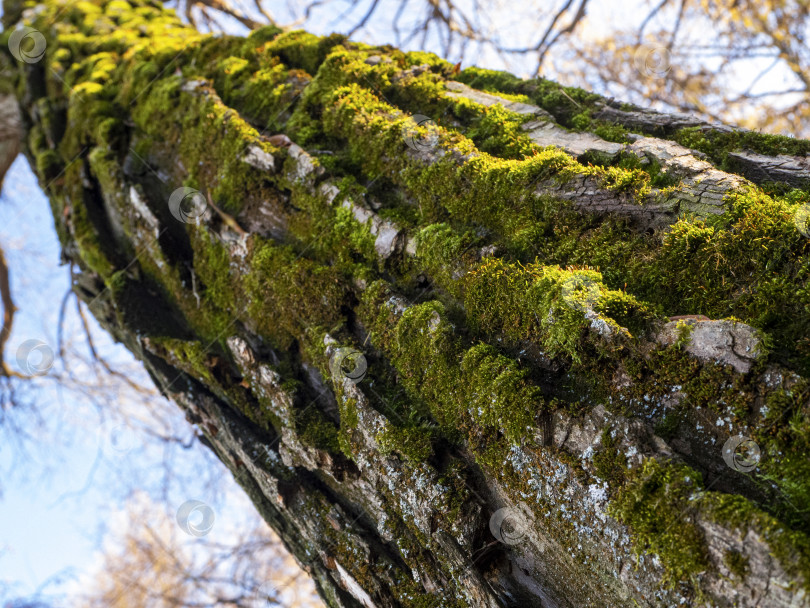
<point x="506" y="273"/>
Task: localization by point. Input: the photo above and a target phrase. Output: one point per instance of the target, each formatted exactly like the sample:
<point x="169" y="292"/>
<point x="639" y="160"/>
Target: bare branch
<point x="8" y="311"/>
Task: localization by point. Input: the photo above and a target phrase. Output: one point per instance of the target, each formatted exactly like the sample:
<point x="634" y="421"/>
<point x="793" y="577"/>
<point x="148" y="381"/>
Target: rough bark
<point x="490" y="360"/>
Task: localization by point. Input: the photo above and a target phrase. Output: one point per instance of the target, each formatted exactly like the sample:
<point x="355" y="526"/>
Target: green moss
<point x="455" y="477"/>
<point x="334" y="236"/>
<point x="683" y="331"/>
<point x="610" y="132"/>
<point x="477" y="386"/>
<point x="572" y="107"/>
<point x="563" y="102"/>
<point x="606" y="130"/>
<point x="286" y="293"/>
<point x="485" y="191"/>
<point x="492" y="453"/>
<point x="85" y="222"/>
<point x="212" y="268"/>
<point x="489" y="80"/>
<point x="659" y="178"/>
<point x="736" y="562"/>
<point x="495" y="129"/>
<point x="442" y="252"/>
<point x="348" y="422"/>
<point x="262" y="88"/>
<point x="619" y="179"/>
<point x="316" y="430"/>
<point x="667" y="427"/>
<point x="610" y="462"/>
<point x="199" y="312"/>
<point x="791" y="548"/>
<point x="569" y="105"/>
<point x="657" y="374"/>
<point x="591" y="274"/>
<point x="302" y="49"/>
<point x="415" y="444"/>
<point x="498" y="392"/>
<point x="546" y="305"/>
<point x="210" y="138"/>
<point x="784" y="438"/>
<point x="656" y="503"/>
<point x="717" y="144"/>
<point x="192" y="357"/>
<point x="750" y="264"/>
<point x="49" y="165"/>
<point x="262" y="35"/>
<point x="627" y="311"/>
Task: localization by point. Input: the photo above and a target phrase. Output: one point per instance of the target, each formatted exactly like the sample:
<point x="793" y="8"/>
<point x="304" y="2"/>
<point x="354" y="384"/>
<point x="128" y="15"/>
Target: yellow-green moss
<point x="191" y="357"/>
<point x="462" y="387"/>
<point x="287" y="293"/>
<point x="547" y="305"/>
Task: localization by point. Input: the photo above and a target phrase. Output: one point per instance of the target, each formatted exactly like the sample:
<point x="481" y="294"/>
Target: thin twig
<point x="100" y="359"/>
<point x="227" y="219"/>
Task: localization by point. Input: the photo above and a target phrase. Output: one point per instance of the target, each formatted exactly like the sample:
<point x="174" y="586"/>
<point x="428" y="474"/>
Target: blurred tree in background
<point x="146" y="562"/>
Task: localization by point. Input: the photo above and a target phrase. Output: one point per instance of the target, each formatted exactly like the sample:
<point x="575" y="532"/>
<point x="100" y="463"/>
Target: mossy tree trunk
<point x="426" y="316"/>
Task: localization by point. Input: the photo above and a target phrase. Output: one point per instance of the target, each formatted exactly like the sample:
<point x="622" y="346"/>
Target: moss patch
<point x="655" y="503"/>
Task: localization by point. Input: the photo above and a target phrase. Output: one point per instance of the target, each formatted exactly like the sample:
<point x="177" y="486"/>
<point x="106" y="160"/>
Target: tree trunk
<point x="452" y="331"/>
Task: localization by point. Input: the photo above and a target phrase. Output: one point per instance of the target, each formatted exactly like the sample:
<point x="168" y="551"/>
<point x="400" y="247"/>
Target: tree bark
<point x="464" y="339"/>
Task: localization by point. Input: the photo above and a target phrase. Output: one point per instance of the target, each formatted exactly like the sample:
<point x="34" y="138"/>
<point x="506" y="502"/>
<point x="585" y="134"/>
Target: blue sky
<point x="40" y="520"/>
<point x="60" y="485"/>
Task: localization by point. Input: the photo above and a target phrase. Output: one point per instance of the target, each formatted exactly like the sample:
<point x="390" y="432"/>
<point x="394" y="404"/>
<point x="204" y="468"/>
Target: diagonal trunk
<point x="438" y="354"/>
<point x="9" y="133"/>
